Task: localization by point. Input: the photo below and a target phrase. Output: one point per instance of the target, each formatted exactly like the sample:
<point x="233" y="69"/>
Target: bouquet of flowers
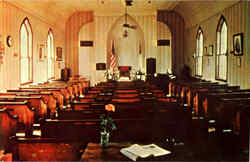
<point x="107" y="124"/>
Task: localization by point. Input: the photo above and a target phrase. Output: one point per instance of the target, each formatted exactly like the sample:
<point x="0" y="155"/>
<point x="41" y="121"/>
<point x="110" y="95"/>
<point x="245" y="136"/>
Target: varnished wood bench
<point x="231" y="125"/>
<point x="46" y="149"/>
<point x="210" y="100"/>
<point x="176" y="86"/>
<point x="96" y="113"/>
<point x="190" y="91"/>
<point x="24" y="112"/>
<point x="48" y="98"/>
<point x="33" y="101"/>
<point x="89" y="129"/>
<point x="199" y="94"/>
<point x="58" y="93"/>
<point x="8" y="127"/>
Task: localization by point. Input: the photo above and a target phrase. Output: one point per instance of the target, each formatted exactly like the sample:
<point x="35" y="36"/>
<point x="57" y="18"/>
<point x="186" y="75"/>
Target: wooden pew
<point x="69" y="90"/>
<point x="56" y="92"/>
<point x="89" y="121"/>
<point x="48" y="98"/>
<point x="174" y="118"/>
<point x="93" y="112"/>
<point x="194" y="88"/>
<point x="33" y="101"/>
<point x="89" y="129"/>
<point x="66" y="97"/>
<point x="231" y="123"/>
<point x="46" y="149"/>
<point x="25" y="114"/>
<point x="125" y="94"/>
<point x="210" y="100"/>
<point x="8" y="126"/>
<point x="71" y="93"/>
<point x="104" y="97"/>
<point x="200" y="92"/>
<point x="120" y="103"/>
<point x="176" y="85"/>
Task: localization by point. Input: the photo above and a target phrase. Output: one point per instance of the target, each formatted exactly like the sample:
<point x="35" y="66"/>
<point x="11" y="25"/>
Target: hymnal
<point x="143" y="151"/>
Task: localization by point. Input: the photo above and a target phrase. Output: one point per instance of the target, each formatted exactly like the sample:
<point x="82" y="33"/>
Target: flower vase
<point x="104" y="139"/>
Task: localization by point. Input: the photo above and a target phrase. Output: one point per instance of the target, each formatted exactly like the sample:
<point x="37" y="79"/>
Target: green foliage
<point x="107" y="123"/>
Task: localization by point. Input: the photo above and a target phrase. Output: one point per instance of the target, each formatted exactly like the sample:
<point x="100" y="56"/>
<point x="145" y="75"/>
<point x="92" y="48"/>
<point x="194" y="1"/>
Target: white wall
<point x="86" y="58"/>
<point x="164" y="54"/>
<point x="103" y="29"/>
<point x="236" y="18"/>
<point x="11" y="18"/>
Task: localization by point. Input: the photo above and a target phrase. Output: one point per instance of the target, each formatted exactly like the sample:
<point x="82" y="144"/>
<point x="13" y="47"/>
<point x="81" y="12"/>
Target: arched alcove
<point x="176" y="24"/>
<point x="164" y="53"/>
<point x="85" y="55"/>
<point x="130" y="48"/>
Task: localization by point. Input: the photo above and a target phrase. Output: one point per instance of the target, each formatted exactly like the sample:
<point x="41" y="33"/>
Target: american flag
<point x="113" y="58"/>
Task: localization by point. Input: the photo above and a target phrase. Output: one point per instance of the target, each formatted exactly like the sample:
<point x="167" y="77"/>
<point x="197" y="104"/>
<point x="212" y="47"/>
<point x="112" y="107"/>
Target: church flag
<point x="140" y="48"/>
<point x="113" y="58"/>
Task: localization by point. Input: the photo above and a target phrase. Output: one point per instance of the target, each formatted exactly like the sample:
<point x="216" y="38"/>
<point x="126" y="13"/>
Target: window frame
<point x="221" y="22"/>
<point x="198" y="54"/>
<point x="52" y="57"/>
<point x="30" y="51"/>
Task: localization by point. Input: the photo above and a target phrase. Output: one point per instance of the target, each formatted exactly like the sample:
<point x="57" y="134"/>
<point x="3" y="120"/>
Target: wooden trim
<point x="30" y="55"/>
<point x="41" y="140"/>
<point x="51" y="78"/>
<point x="198" y="76"/>
<point x="218" y="54"/>
<point x="223" y="80"/>
<point x="26" y="83"/>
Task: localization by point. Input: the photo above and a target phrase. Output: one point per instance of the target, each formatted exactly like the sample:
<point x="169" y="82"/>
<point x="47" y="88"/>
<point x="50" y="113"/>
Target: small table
<point x="94" y="152"/>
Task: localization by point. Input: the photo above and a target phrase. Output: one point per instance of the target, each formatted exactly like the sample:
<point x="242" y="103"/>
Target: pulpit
<point x="124" y="71"/>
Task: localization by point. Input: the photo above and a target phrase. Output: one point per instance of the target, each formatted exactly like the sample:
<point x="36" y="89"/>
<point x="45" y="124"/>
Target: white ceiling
<point x="54" y="10"/>
<point x="197" y="11"/>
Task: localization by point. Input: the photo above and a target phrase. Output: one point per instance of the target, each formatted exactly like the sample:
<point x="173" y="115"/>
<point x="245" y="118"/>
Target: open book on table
<point x="143" y="151"/>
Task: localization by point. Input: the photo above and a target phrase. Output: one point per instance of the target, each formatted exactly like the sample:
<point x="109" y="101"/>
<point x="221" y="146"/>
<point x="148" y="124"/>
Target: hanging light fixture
<point x="125" y="33"/>
<point x="126" y="25"/>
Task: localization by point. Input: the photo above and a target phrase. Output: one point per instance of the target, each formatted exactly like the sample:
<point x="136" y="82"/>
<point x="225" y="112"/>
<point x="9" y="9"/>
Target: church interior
<point x="114" y="73"/>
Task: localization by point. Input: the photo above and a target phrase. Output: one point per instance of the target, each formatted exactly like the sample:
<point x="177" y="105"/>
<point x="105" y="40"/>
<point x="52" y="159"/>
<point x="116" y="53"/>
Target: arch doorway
<point x="86" y="53"/>
<point x="128" y="44"/>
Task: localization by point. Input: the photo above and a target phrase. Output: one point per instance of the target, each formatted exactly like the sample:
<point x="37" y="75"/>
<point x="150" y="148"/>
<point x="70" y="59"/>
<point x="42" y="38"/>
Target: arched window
<point x="51" y="56"/>
<point x="199" y="53"/>
<point x="221" y="50"/>
<point x="26" y="52"/>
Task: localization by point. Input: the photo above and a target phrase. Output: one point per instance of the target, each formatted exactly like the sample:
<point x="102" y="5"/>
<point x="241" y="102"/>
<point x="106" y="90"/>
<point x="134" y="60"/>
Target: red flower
<point x="110" y="107"/>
